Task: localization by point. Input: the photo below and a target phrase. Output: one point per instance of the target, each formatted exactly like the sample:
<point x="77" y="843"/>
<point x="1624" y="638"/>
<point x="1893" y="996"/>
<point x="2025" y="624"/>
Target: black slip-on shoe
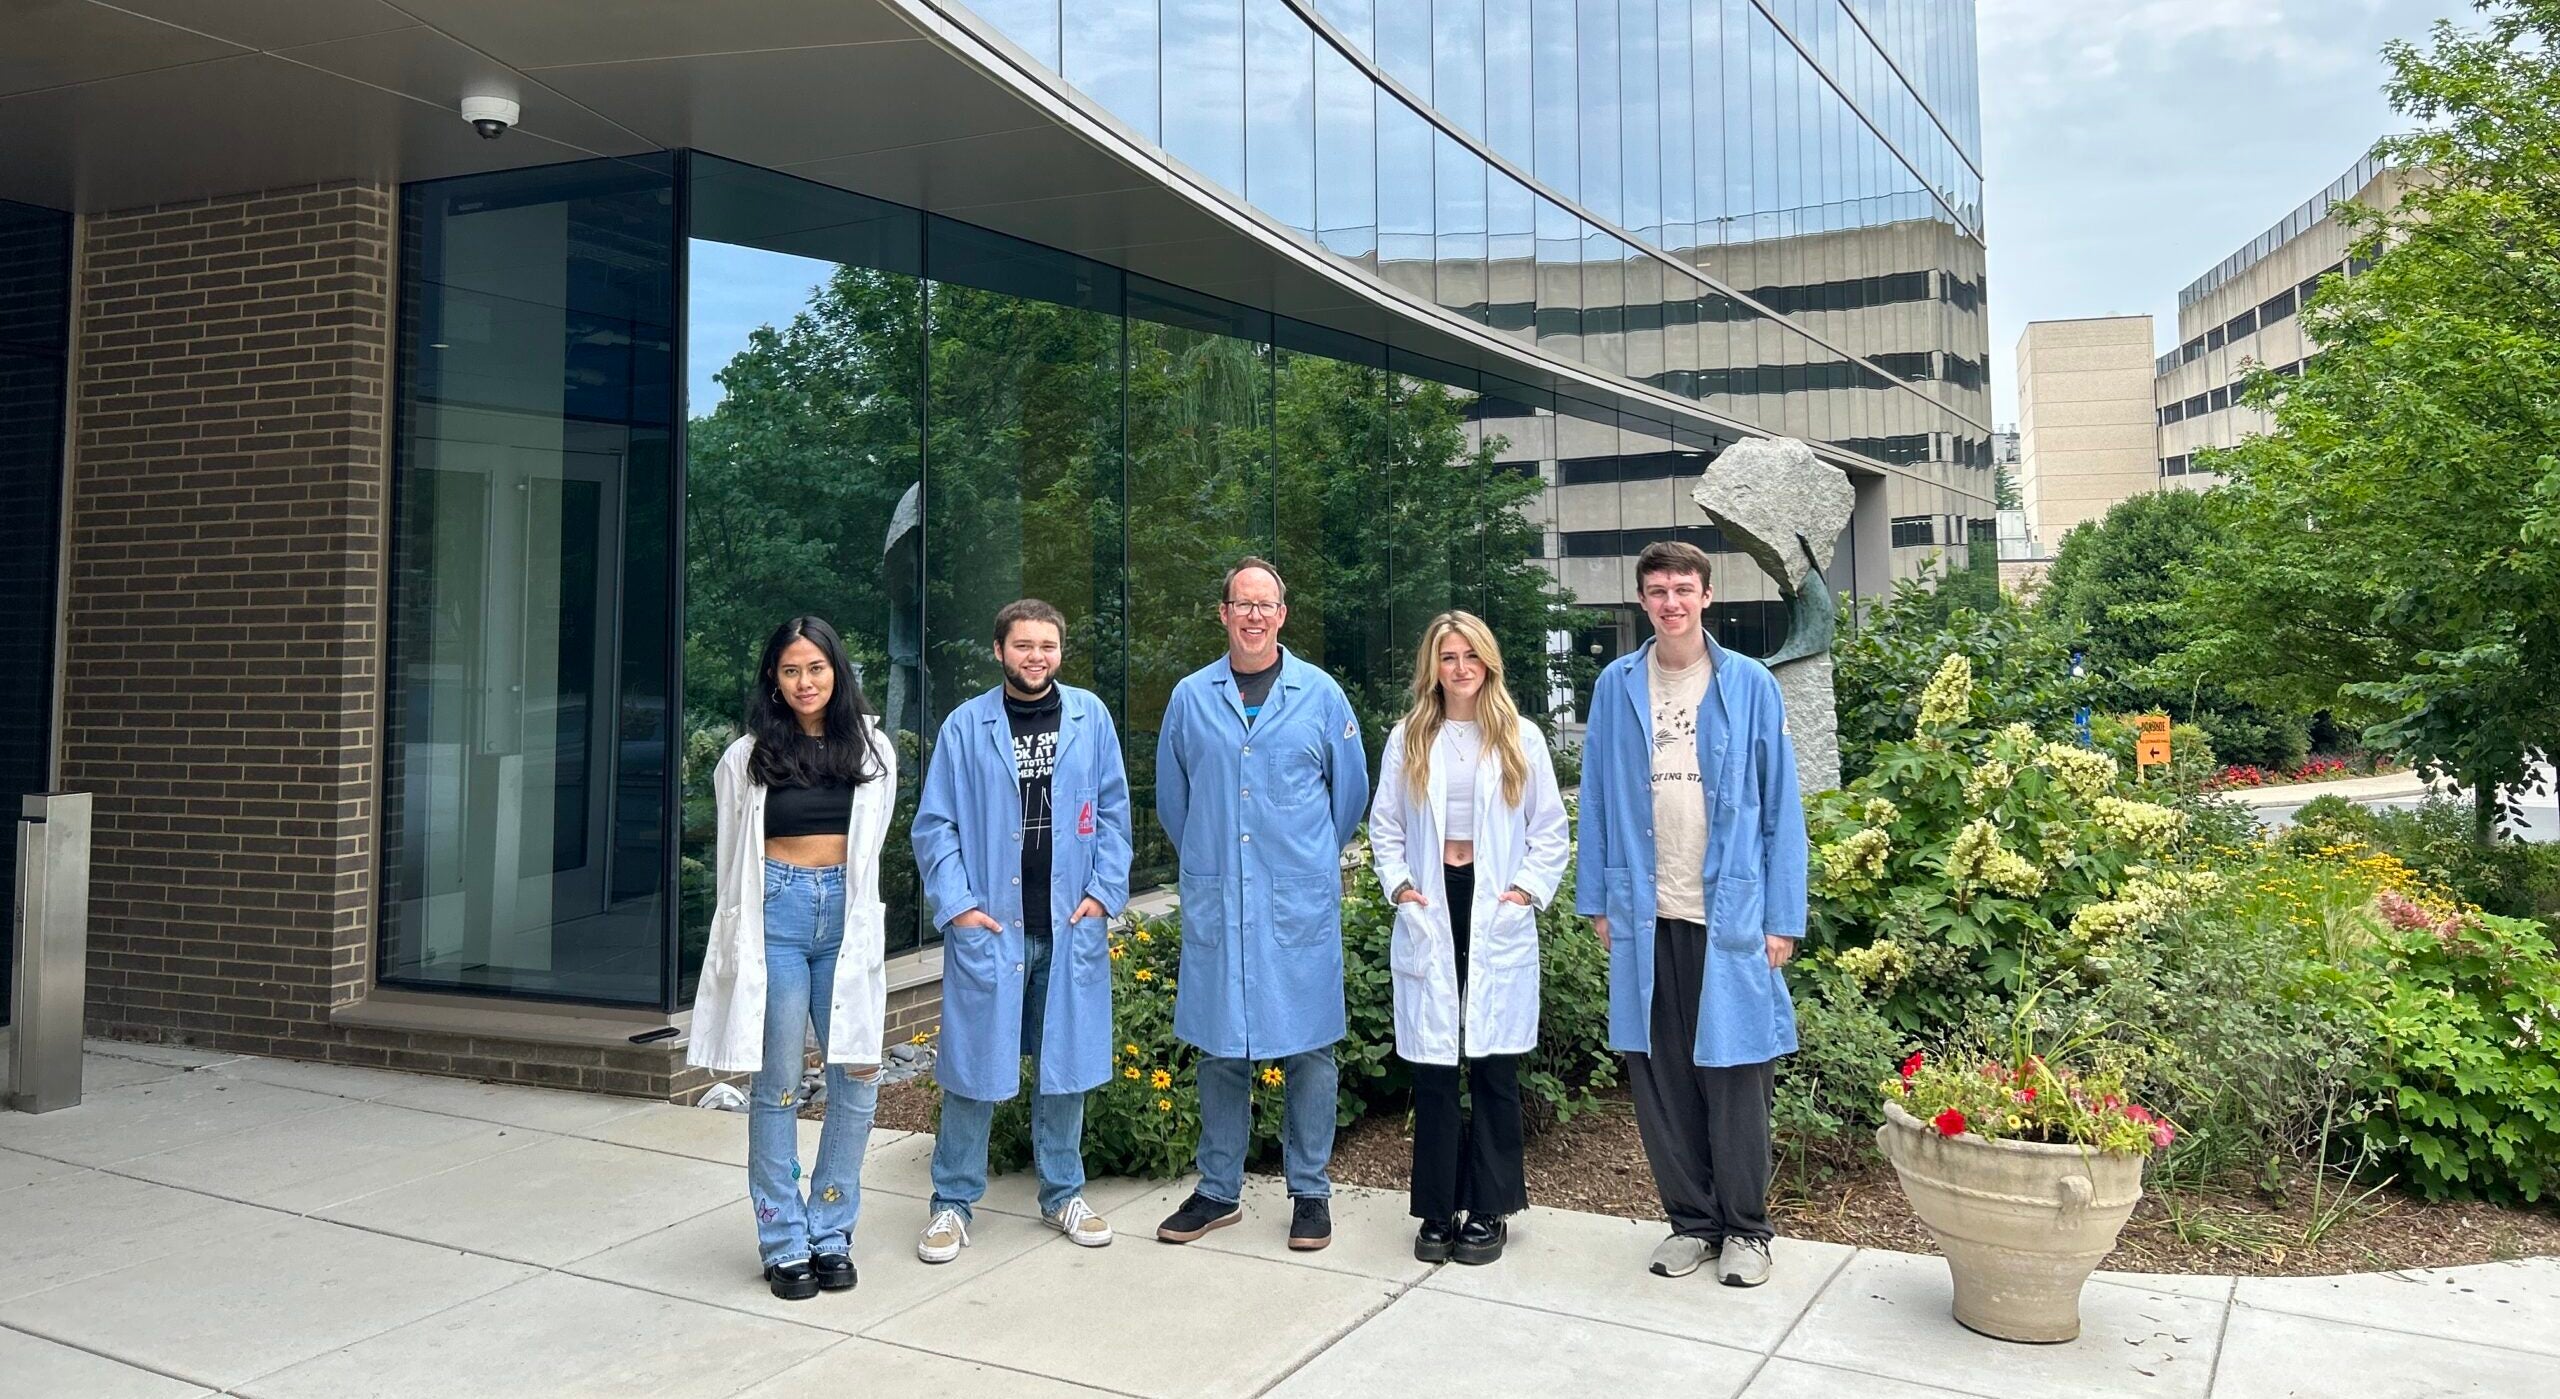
<point x="834" y="1270"/>
<point x="1482" y="1240"/>
<point x="1432" y="1242"/>
<point x="1198" y="1216"/>
<point x="1310" y="1223"/>
<point x="792" y="1282"/>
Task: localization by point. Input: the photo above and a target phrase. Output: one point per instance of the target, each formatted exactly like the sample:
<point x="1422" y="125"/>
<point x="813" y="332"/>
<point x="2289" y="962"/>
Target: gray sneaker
<point x="1744" y="1262"/>
<point x="1678" y="1256"/>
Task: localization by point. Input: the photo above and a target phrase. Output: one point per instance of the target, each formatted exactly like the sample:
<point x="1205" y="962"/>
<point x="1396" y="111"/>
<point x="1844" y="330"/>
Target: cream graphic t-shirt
<point x="1679" y="794"/>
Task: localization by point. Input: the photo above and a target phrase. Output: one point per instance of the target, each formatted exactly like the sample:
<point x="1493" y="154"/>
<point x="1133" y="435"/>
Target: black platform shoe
<point x="834" y="1270"/>
<point x="793" y="1281"/>
<point x="1433" y="1241"/>
<point x="1481" y="1241"/>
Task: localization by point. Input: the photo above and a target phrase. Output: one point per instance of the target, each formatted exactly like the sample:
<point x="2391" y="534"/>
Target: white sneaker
<point x="943" y="1237"/>
<point x="1080" y="1224"/>
<point x="1744" y="1263"/>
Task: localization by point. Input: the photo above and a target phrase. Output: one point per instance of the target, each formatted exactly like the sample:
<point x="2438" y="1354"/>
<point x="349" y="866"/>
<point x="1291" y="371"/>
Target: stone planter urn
<point x="2022" y="1224"/>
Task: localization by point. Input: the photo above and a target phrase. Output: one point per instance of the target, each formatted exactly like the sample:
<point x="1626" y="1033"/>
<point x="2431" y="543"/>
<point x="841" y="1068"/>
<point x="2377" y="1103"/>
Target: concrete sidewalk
<point x="206" y="1224"/>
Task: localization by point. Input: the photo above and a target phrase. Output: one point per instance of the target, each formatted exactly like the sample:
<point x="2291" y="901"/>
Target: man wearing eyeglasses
<point x="1260" y="782"/>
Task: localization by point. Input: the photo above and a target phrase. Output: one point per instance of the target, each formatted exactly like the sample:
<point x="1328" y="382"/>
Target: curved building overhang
<point x="149" y="102"/>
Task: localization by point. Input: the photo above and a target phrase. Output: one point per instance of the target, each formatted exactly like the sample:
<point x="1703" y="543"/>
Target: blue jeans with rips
<point x="803" y="931"/>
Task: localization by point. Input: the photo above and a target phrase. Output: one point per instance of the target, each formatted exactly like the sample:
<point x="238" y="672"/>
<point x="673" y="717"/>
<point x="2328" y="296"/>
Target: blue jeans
<point x="1057" y="1119"/>
<point x="803" y="929"/>
<point x="1306" y="1124"/>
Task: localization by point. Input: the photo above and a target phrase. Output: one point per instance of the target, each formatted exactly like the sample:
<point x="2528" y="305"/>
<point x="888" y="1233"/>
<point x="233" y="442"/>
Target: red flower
<point x="2026" y="1095"/>
<point x="1949" y="1123"/>
<point x="1911" y="1065"/>
<point x="2162" y="1134"/>
<point x="2137" y="1112"/>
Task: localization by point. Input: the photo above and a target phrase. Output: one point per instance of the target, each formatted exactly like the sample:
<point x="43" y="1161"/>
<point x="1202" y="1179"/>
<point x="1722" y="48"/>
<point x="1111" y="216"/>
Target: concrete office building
<point x="2084" y="421"/>
<point x="391" y="513"/>
<point x="2245" y="314"/>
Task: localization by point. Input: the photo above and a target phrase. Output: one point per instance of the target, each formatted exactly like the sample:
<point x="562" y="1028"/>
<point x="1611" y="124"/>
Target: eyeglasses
<point x="1256" y="609"/>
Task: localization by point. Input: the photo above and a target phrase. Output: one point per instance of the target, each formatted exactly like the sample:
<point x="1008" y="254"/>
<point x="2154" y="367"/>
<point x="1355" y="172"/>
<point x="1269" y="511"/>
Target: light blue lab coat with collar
<point x="1259" y="817"/>
<point x="1754" y="880"/>
<point x="968" y="843"/>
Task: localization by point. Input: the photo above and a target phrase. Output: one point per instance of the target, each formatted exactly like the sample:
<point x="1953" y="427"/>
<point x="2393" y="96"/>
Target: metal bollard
<point x="51" y="932"/>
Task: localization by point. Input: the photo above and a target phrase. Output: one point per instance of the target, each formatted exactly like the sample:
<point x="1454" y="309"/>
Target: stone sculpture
<point x="1785" y="507"/>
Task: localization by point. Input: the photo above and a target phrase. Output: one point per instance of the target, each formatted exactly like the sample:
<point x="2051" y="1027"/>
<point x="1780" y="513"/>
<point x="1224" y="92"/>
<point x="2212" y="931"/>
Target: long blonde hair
<point x="1496" y="715"/>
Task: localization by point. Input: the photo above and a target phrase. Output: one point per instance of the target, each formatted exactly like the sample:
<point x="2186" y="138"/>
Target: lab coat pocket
<point x="1734" y="923"/>
<point x="1078" y="817"/>
<point x="1509" y="939"/>
<point x="1306" y="910"/>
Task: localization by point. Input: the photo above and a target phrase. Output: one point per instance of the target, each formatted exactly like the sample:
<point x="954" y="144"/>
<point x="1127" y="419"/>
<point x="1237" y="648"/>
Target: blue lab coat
<point x="968" y="842"/>
<point x="1754" y="879"/>
<point x="1259" y="818"/>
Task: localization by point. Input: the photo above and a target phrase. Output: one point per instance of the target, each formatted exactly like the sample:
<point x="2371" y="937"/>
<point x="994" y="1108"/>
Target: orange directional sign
<point x="2153" y="745"/>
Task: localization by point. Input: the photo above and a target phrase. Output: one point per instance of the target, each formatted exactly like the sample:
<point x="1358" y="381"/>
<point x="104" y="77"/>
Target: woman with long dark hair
<point x="804" y="801"/>
<point x="1468" y="836"/>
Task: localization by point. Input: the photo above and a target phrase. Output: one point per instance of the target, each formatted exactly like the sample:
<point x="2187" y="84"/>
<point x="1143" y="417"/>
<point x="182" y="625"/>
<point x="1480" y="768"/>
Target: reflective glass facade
<point x="1769" y="208"/>
<point x="35" y="329"/>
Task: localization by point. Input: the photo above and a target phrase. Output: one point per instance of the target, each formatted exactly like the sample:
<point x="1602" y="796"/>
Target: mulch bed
<point x="1596" y="1163"/>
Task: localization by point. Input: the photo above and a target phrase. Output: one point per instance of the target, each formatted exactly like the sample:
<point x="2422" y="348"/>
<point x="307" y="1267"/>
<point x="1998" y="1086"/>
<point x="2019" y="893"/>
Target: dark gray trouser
<point x="1705" y="1131"/>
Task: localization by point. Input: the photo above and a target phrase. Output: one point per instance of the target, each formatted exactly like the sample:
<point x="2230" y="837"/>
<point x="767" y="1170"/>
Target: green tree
<point x="2117" y="582"/>
<point x="2390" y="547"/>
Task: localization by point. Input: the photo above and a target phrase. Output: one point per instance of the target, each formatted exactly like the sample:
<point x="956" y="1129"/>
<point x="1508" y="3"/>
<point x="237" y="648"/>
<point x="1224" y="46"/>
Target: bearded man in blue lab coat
<point x="1022" y="844"/>
<point x="1260" y="781"/>
<point x="1693" y="874"/>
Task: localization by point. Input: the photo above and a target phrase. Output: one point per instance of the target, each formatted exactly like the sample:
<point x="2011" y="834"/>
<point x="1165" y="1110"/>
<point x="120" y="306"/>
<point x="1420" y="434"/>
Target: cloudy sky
<point x="2129" y="145"/>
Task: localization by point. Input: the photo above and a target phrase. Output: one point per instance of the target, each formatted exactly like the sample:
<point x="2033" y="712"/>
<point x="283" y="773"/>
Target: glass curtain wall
<point x="35" y="328"/>
<point x="529" y="725"/>
<point x="907" y="422"/>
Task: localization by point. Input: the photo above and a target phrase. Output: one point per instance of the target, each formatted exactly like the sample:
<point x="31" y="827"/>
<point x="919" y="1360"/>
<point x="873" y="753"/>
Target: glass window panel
<point x="1679" y="127"/>
<point x="1459" y="220"/>
<point x="1404" y="44"/>
<point x="1640" y="118"/>
<point x="1509" y="65"/>
<point x="1559" y="280"/>
<point x="35" y="321"/>
<point x="1644" y="316"/>
<point x="1204" y="87"/>
<point x="530" y="723"/>
<point x="1108" y="48"/>
<point x="1738" y="121"/>
<point x="1346" y="158"/>
<point x="1357" y="19"/>
<point x="1555" y="95"/>
<point x="1280" y="102"/>
<point x="1333" y="428"/>
<point x="1603" y="301"/>
<point x="1601" y="134"/>
<point x="1511" y="256"/>
<point x="1405" y="214"/>
<point x="1200" y="495"/>
<point x="1031" y="23"/>
<point x="1458" y="62"/>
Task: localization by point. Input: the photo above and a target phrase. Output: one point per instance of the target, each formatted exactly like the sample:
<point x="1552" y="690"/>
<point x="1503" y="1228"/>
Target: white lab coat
<point x="728" y="1005"/>
<point x="1524" y="846"/>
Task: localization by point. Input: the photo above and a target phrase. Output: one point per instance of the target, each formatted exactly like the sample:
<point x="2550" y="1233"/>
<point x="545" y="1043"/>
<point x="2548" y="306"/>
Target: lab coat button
<point x="1248" y="839"/>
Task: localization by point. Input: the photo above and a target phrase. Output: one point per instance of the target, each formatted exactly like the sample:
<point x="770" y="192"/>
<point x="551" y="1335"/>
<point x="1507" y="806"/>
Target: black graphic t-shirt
<point x="1035" y="764"/>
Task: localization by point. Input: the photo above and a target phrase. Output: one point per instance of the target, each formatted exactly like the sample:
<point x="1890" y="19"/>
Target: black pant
<point x="1705" y="1131"/>
<point x="1462" y="1163"/>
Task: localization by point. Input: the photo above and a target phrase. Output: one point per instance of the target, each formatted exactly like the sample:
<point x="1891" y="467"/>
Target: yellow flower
<point x="1129" y="1049"/>
<point x="918" y="1037"/>
<point x="1129" y="1072"/>
<point x="1117" y="952"/>
<point x="1272" y="1077"/>
<point x="1146" y="975"/>
<point x="1161" y="1079"/>
<point x="1143" y="936"/>
<point x="1164" y="1104"/>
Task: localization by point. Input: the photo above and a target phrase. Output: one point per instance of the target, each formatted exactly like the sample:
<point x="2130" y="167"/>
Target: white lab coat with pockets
<point x="728" y="1006"/>
<point x="1524" y="846"/>
<point x="1259" y="817"/>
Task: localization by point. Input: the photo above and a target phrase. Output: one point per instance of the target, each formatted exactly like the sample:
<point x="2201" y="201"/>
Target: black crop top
<point x="822" y="810"/>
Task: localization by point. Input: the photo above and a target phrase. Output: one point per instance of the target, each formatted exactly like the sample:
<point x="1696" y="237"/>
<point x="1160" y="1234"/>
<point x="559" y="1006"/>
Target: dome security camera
<point x="490" y="116"/>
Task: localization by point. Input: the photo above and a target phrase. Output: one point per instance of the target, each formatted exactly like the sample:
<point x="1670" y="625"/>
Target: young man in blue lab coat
<point x="1693" y="874"/>
<point x="1260" y="781"/>
<point x="1022" y="845"/>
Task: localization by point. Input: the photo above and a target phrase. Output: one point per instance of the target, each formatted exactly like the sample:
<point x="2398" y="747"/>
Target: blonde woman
<point x="1468" y="836"/>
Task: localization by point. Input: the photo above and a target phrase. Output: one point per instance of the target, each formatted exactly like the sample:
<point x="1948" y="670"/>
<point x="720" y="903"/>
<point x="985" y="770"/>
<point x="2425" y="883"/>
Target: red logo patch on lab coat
<point x="1084" y="820"/>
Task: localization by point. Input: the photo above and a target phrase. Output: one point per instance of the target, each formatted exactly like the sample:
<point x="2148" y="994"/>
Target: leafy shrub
<point x="1963" y="854"/>
<point x="1884" y="660"/>
<point x="2511" y="878"/>
<point x="1145" y="1121"/>
<point x="2468" y="1068"/>
<point x="2247" y="735"/>
<point x="1826" y="1100"/>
